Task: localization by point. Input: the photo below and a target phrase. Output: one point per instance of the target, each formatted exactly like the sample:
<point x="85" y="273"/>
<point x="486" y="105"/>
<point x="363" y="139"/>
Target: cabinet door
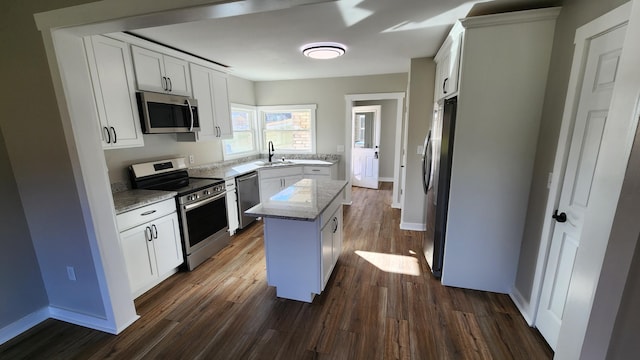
<point x="166" y="243"/>
<point x="337" y="235"/>
<point x="232" y="206"/>
<point x="201" y="84"/>
<point x="177" y="73"/>
<point x="149" y="68"/>
<point x="222" y="111"/>
<point x="326" y="236"/>
<point x="139" y="257"/>
<point x="290" y="180"/>
<point x="269" y="187"/>
<point x="114" y="91"/>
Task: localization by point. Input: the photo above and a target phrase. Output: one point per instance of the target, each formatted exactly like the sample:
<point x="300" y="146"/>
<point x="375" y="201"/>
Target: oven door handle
<point x="203" y="202"/>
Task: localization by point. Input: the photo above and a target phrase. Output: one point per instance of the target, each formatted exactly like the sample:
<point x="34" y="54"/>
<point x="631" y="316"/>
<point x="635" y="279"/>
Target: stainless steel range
<point x="201" y="205"/>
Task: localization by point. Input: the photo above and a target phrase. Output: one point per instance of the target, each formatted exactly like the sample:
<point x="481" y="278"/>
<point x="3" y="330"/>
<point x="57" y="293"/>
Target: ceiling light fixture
<point x="324" y="50"/>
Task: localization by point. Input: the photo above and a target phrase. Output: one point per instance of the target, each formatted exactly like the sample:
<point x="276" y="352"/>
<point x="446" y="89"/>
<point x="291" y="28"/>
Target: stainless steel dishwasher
<point x="248" y="196"/>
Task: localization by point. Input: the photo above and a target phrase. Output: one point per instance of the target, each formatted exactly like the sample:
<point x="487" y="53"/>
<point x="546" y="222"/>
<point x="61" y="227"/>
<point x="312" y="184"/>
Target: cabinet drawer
<point x="318" y="170"/>
<point x="282" y="171"/>
<point x="144" y="214"/>
<point x="329" y="212"/>
<point x="230" y="184"/>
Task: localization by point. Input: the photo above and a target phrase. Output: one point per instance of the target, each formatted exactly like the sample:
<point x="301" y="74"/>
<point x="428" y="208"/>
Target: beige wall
<point x="574" y="14"/>
<point x="421" y="86"/>
<point x="20" y="281"/>
<point x="42" y="169"/>
<point x="388" y="110"/>
<point x="329" y="95"/>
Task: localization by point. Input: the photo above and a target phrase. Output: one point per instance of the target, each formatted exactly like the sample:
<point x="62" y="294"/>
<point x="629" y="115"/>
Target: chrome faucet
<point x="271" y="150"/>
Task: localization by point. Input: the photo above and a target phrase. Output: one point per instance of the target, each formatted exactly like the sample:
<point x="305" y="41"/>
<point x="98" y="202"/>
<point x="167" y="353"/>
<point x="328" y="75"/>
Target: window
<point x="290" y="127"/>
<point x="244" y="142"/>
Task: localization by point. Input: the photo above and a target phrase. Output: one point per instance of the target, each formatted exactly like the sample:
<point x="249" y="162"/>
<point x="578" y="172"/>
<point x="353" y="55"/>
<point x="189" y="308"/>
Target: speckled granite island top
<point x="128" y="200"/>
<point x="304" y="200"/>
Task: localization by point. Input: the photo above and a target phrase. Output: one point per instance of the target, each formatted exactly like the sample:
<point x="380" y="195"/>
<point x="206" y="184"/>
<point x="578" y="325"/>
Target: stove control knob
<point x="206" y="192"/>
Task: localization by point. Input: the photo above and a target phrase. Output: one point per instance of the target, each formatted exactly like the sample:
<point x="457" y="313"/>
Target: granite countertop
<point x="230" y="172"/>
<point x="304" y="200"/>
<point x="132" y="199"/>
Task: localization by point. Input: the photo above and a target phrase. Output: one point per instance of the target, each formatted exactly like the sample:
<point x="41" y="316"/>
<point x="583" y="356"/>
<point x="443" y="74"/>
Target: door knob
<point x="562" y="217"/>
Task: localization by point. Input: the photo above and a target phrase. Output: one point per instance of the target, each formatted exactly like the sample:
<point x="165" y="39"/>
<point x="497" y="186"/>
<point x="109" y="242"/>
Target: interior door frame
<point x="575" y="327"/>
<point x="400" y="146"/>
<point x="377" y="110"/>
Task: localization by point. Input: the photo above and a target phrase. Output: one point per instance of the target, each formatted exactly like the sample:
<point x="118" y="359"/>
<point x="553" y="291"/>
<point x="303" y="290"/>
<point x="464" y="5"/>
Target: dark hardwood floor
<point x="380" y="303"/>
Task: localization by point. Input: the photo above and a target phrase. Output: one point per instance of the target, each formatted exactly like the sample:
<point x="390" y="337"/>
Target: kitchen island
<point x="302" y="236"/>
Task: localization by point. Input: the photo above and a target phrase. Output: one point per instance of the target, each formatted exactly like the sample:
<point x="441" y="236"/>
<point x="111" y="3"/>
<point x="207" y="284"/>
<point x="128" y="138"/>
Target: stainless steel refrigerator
<point x="436" y="178"/>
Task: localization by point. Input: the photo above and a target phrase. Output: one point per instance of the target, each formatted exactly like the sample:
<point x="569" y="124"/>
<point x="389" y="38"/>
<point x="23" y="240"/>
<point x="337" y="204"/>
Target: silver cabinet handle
<point x="170" y="84"/>
<point x="164" y="83"/>
<point x="115" y="138"/>
<point x="148" y="234"/>
<point x="155" y="231"/>
<point x="148" y="212"/>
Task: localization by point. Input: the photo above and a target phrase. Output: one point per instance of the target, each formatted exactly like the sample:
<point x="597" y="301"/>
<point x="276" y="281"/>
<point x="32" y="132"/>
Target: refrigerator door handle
<point x="427" y="164"/>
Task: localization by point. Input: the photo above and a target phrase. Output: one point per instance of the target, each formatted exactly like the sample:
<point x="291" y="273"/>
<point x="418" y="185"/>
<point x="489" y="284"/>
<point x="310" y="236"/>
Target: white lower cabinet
<point x="151" y="247"/>
<point x="301" y="255"/>
<point x="272" y="180"/>
<point x="232" y="206"/>
<point x="320" y="172"/>
<point x="331" y="235"/>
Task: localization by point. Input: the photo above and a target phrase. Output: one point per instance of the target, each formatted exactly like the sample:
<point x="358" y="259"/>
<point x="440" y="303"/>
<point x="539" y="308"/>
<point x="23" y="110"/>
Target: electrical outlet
<point x="192" y="159"/>
<point x="71" y="272"/>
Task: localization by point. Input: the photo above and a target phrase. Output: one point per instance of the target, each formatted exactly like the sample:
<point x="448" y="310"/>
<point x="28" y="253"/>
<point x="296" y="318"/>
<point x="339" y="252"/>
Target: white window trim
<point x="257" y="133"/>
<point x="274" y="108"/>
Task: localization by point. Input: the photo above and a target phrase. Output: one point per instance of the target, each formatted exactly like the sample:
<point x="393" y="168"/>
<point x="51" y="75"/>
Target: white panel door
<point x="149" y="68"/>
<point x="201" y="82"/>
<point x="595" y="96"/>
<point x="365" y="146"/>
<point x="139" y="256"/>
<point x="222" y="110"/>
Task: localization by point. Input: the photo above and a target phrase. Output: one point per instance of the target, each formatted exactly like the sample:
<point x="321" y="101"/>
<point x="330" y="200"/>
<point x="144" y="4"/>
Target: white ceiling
<point x="381" y="36"/>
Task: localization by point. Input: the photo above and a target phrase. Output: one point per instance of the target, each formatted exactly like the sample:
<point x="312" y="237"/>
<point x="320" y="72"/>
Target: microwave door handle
<point x="191" y="113"/>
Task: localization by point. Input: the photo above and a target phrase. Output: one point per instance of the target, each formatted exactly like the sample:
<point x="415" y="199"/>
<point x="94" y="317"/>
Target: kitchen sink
<point x="274" y="163"/>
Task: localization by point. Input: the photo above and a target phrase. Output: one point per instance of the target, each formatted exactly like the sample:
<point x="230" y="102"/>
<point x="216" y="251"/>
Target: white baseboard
<point x="385" y="179"/>
<point x="396" y="205"/>
<point x="413" y="226"/>
<point x="92" y="322"/>
<point x="522" y="305"/>
<point x="18" y="327"/>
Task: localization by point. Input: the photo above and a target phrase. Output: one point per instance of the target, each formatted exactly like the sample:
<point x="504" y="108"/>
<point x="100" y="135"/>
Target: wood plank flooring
<point x="380" y="303"/>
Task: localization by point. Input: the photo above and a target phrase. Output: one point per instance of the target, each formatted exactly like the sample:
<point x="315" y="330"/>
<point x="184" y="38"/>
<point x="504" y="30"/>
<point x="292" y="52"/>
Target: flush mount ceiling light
<point x="324" y="50"/>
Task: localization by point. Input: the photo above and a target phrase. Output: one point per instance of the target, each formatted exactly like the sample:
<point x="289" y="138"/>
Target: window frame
<point x="255" y="128"/>
<point x="283" y="108"/>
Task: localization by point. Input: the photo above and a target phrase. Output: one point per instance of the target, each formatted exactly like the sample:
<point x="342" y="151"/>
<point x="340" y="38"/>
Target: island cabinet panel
<point x="293" y="253"/>
<point x="301" y="253"/>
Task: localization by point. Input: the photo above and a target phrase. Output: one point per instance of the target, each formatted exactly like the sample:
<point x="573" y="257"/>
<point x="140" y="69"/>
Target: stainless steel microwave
<point x="164" y="113"/>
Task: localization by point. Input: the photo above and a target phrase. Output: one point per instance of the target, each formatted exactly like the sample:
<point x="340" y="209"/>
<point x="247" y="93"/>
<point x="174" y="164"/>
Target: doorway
<point x="365" y="146"/>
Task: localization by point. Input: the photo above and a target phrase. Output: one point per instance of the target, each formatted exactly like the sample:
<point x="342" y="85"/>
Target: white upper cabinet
<point x="210" y="90"/>
<point x="114" y="92"/>
<point x="447" y="64"/>
<point x="161" y="73"/>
